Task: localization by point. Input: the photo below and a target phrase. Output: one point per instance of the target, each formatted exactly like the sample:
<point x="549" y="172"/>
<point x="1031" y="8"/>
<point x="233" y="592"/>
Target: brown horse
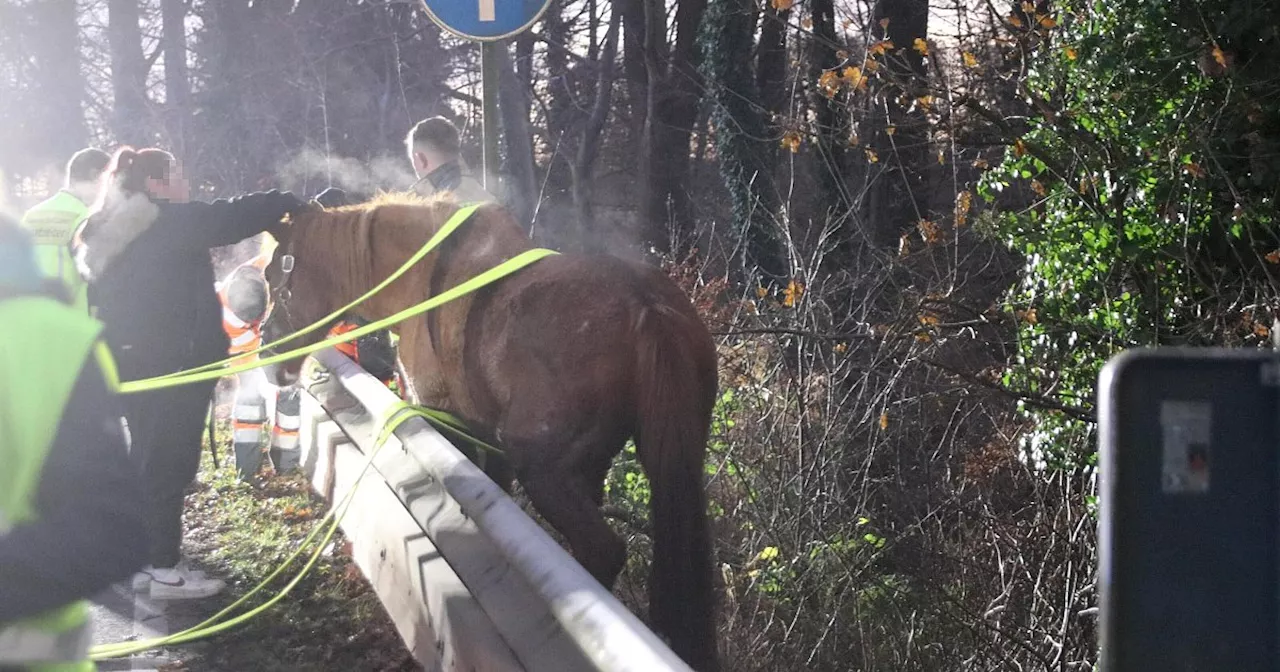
<point x="559" y="363"/>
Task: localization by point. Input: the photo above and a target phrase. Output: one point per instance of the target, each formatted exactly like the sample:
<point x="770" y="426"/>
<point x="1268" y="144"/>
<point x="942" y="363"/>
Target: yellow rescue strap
<point x="196" y="375"/>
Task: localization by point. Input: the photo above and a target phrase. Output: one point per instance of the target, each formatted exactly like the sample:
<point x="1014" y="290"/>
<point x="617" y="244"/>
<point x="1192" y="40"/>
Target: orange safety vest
<point x="348" y="348"/>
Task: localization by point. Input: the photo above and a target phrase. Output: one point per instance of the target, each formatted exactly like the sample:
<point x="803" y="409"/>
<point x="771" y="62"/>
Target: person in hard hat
<point x="71" y="511"/>
<point x="53" y="220"/>
<point x="245" y="306"/>
<point x="435" y="149"/>
<point x="145" y="250"/>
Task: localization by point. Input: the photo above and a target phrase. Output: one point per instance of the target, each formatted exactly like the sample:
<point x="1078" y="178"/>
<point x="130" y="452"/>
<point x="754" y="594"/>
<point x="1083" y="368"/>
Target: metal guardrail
<point x="470" y="580"/>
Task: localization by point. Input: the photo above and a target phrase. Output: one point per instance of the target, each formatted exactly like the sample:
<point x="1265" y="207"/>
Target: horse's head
<point x="291" y="275"/>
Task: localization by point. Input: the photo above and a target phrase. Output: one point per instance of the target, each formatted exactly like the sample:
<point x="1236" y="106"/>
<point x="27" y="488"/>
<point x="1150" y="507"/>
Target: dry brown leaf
<point x="881" y="47"/>
<point x="791" y="140"/>
<point x="929" y="231"/>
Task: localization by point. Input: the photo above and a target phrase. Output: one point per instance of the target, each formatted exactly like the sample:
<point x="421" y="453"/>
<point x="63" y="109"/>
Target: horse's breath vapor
<point x="313" y="170"/>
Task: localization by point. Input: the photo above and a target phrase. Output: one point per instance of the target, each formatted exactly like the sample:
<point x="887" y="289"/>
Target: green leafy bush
<point x="1152" y="159"/>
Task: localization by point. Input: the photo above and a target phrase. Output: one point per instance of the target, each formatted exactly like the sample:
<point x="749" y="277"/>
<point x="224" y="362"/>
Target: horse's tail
<point x="676" y="392"/>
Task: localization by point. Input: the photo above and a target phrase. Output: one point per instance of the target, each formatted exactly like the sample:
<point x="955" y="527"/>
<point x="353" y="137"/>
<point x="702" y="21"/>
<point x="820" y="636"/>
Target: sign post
<point x="487" y="22"/>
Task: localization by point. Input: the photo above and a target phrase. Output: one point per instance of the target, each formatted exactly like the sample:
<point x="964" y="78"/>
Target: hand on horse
<point x="289" y="203"/>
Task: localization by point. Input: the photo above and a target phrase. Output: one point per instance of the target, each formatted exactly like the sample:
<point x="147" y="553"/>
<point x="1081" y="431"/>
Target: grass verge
<point x="241" y="532"/>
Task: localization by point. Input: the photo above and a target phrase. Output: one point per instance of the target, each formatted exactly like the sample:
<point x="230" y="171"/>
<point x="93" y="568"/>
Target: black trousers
<point x="165" y="429"/>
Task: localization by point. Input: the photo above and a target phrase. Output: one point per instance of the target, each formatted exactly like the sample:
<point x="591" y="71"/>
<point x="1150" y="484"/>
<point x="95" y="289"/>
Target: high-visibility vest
<point x="51" y="224"/>
<point x="39" y="365"/>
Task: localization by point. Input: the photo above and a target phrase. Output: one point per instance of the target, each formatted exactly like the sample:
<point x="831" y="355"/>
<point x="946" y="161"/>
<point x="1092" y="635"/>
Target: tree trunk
<point x="177" y="79"/>
<point x="230" y="45"/>
<point x="513" y="106"/>
<point x="771" y="60"/>
<point x="130" y="122"/>
<point x="61" y="126"/>
<point x="561" y="111"/>
<point x="830" y="126"/>
<point x="524" y="65"/>
<point x="590" y="137"/>
<point x="898" y="199"/>
<point x="633" y="57"/>
<point x="727" y="44"/>
<point x="671" y="113"/>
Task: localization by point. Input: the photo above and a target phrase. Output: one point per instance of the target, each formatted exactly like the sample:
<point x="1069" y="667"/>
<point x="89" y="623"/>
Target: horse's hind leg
<point x="566" y="501"/>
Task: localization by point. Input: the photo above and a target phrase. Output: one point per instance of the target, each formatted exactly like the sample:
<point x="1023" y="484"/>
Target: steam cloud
<point x="311" y="170"/>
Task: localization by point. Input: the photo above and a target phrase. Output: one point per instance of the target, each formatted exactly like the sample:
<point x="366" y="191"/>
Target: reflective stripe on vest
<point x="39" y="365"/>
<point x="244" y="336"/>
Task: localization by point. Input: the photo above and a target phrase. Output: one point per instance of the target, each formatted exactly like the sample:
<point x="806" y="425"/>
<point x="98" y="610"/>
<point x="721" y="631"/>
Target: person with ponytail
<point x="145" y="252"/>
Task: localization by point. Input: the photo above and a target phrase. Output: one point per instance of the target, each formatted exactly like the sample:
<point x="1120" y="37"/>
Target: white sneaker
<point x="179" y="583"/>
<point x="142" y="578"/>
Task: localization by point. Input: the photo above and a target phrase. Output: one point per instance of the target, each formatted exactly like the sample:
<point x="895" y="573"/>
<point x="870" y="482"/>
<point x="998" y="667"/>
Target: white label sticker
<point x="1186" y="429"/>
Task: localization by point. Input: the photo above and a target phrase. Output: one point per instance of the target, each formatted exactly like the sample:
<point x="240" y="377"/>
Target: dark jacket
<point x="89" y="530"/>
<point x="151" y="279"/>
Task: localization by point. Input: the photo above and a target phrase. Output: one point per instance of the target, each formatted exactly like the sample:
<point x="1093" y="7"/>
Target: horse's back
<point x="596" y="287"/>
<point x="570" y="326"/>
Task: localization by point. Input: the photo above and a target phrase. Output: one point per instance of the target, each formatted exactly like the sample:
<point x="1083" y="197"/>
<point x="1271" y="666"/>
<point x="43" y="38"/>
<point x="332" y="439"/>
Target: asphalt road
<point x="122" y="615"/>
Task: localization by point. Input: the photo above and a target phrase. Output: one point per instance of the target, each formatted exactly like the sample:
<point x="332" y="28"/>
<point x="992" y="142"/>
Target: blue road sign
<point x="485" y="20"/>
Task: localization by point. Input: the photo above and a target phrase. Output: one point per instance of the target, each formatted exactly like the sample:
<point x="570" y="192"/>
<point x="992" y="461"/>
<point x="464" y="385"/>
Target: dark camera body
<point x="1189" y="530"/>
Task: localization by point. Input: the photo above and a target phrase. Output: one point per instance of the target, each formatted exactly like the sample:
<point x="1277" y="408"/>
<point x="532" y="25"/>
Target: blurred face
<point x="174" y="188"/>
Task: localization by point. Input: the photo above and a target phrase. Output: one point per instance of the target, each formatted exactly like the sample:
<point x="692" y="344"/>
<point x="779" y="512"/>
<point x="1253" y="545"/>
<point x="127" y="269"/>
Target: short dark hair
<point x="436" y="133"/>
<point x="87" y="165"/>
<point x="247" y="293"/>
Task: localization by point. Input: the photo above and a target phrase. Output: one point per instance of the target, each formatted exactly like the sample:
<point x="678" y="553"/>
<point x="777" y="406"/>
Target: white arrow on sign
<point x="487" y="10"/>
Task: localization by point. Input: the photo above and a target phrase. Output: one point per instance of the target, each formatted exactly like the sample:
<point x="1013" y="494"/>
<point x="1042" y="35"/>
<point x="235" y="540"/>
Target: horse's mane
<point x="409" y="198"/>
<point x="353" y="225"/>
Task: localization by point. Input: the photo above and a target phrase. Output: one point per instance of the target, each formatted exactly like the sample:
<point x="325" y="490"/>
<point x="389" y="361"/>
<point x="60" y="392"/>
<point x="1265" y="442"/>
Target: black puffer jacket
<point x="152" y="280"/>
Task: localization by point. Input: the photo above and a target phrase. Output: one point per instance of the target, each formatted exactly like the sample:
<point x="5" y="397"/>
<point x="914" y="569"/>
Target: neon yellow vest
<point x="51" y="223"/>
<point x="39" y="364"/>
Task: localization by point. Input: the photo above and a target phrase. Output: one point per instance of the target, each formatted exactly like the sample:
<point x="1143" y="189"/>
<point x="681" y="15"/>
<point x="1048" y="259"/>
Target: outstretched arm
<point x="89" y="531"/>
<point x="229" y="221"/>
